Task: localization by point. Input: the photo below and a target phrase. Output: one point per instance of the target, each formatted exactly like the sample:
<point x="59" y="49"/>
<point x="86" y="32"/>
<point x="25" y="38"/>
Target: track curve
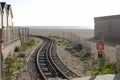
<point x="48" y="62"/>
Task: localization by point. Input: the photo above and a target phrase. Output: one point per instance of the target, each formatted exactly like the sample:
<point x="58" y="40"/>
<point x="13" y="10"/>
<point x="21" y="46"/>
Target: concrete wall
<point x="5" y="19"/>
<point x="24" y="35"/>
<point x="9" y="16"/>
<point x="9" y="48"/>
<point x="10" y="19"/>
<point x="109" y="51"/>
<point x="109" y="26"/>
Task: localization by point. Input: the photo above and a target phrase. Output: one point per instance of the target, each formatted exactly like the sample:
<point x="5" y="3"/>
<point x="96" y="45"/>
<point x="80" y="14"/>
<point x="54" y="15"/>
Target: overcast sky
<point x="61" y="12"/>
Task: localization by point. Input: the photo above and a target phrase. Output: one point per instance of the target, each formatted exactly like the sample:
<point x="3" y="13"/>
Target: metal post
<point x="1" y="56"/>
<point x="28" y="34"/>
<point x="101" y="59"/>
<point x="20" y="35"/>
<point x="118" y="58"/>
<point x="1" y="60"/>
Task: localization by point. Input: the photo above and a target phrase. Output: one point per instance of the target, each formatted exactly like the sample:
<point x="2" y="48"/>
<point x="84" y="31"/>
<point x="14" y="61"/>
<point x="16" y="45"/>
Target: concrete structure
<point x="106" y="28"/>
<point x="9" y="48"/>
<point x="109" y="50"/>
<point x="4" y="15"/>
<point x="101" y="77"/>
<point x="10" y="16"/>
<point x="109" y="26"/>
<point x="24" y="35"/>
<point x="7" y="33"/>
<point x="4" y="21"/>
<point x="10" y="35"/>
<point x="9" y="22"/>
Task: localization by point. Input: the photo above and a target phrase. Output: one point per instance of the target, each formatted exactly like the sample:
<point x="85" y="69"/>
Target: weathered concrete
<point x="109" y="26"/>
<point x="101" y="77"/>
<point x="118" y="59"/>
<point x="9" y="48"/>
<point x="109" y="51"/>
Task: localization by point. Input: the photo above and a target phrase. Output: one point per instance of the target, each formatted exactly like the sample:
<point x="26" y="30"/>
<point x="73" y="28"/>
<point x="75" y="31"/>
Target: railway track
<point x="48" y="63"/>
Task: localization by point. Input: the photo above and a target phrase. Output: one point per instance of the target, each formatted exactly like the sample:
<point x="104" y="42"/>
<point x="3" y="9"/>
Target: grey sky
<point x="61" y="12"/>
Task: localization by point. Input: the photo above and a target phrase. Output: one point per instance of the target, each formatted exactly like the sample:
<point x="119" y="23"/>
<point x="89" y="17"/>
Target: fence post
<point x="118" y="58"/>
<point x="1" y="59"/>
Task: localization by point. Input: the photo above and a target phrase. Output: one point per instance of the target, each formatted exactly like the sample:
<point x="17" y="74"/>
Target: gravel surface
<point x="101" y="77"/>
<point x="26" y="75"/>
<point x="31" y="65"/>
<point x="76" y="66"/>
<point x="70" y="61"/>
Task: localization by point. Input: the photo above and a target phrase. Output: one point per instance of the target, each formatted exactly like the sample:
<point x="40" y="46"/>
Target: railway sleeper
<point x="43" y="64"/>
<point x="44" y="49"/>
<point x="42" y="55"/>
<point x="42" y="58"/>
<point x="48" y="73"/>
<point x="54" y="56"/>
<point x="45" y="69"/>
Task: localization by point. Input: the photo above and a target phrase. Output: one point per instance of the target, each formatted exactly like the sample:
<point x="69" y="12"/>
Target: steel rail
<point x="55" y="65"/>
<point x="46" y="54"/>
<point x="49" y="62"/>
<point x="39" y="63"/>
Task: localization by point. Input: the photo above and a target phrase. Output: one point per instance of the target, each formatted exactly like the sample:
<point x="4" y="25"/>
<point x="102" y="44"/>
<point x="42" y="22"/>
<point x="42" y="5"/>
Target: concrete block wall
<point x="24" y="35"/>
<point x="15" y="40"/>
<point x="9" y="48"/>
<point x="109" y="26"/>
<point x="109" y="51"/>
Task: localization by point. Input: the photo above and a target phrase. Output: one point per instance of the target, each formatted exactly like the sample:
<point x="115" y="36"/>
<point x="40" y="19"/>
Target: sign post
<point x="1" y="46"/>
<point x="100" y="49"/>
<point x="100" y="46"/>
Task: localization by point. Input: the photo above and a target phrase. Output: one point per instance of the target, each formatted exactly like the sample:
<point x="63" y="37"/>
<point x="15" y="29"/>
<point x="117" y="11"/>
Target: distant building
<point x="109" y="26"/>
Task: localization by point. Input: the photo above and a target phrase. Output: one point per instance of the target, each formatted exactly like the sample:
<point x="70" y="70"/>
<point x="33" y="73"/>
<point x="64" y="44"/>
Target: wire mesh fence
<point x="11" y="34"/>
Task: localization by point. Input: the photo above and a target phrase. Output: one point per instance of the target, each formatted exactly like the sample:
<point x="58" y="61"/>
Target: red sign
<point x="1" y="46"/>
<point x="100" y="46"/>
